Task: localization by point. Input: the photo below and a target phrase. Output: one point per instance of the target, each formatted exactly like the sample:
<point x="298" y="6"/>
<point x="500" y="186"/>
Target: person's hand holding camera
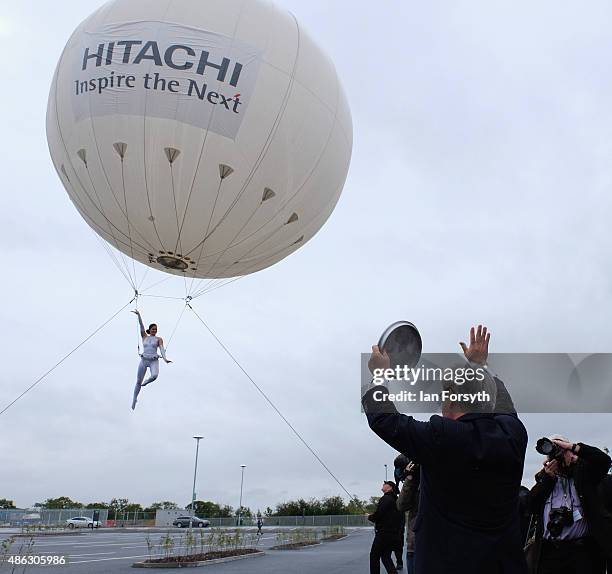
<point x="569" y="450"/>
<point x="551" y="468"/>
<point x="410" y="471"/>
<point x="574" y="448"/>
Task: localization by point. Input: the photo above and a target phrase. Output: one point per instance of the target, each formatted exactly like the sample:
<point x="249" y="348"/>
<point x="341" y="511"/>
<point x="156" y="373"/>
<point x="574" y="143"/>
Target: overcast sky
<point x="479" y="191"/>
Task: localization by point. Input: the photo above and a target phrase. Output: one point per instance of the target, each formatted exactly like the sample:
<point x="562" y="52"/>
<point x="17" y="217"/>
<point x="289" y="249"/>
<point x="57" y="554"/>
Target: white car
<point x="83" y="522"/>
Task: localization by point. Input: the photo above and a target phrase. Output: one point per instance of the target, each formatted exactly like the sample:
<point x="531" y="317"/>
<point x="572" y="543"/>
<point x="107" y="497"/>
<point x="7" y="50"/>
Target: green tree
<point x="209" y="509"/>
<point x="373" y="504"/>
<point x="226" y="511"/>
<point x="5" y="503"/>
<point x="165" y="505"/>
<point x="61" y="502"/>
<point x="356" y="506"/>
<point x="333" y="505"/>
<point x="117" y="507"/>
<point x="244" y="512"/>
<point x="299" y="507"/>
<point x="133" y="507"/>
<point x="205" y="508"/>
<point x="97" y="505"/>
<point x="290" y="508"/>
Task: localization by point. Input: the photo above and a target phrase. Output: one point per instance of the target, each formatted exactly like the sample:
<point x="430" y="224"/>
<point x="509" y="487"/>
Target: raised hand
<point x="378" y="360"/>
<point x="478" y="351"/>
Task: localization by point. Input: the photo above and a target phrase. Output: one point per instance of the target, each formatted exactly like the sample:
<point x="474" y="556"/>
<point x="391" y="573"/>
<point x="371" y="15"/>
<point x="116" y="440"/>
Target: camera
<point x="558" y="519"/>
<point x="401" y="471"/>
<point x="548" y="448"/>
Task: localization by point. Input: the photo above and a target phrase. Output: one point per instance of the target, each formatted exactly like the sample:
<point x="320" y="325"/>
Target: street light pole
<point x="242" y="466"/>
<point x="195" y="473"/>
<point x="385" y="472"/>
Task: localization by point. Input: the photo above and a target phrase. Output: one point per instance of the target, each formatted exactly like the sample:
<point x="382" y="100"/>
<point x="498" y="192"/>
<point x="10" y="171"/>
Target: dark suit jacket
<point x="387" y="518"/>
<point x="471" y="470"/>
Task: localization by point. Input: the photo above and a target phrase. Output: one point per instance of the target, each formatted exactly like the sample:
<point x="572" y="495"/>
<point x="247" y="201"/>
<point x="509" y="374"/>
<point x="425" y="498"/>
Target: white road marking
<point x="92" y="554"/>
<point x="116" y="542"/>
<point x="113" y="540"/>
<point x="107" y="559"/>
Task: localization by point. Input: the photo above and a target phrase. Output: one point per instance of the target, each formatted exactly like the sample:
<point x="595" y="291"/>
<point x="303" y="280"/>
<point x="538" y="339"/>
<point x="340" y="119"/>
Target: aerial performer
<point x="149" y="359"/>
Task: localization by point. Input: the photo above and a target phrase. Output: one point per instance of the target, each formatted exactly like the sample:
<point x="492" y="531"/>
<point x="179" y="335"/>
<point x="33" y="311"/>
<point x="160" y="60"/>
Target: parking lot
<point x="113" y="551"/>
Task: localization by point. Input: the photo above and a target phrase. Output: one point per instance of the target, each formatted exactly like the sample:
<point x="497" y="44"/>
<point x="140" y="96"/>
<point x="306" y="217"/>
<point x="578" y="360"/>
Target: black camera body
<point x="558" y="519"/>
<point x="548" y="448"/>
<point x="400" y="463"/>
<point x="401" y="471"/>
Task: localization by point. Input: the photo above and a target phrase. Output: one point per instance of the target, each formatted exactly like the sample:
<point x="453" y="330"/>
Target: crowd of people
<point x="457" y="497"/>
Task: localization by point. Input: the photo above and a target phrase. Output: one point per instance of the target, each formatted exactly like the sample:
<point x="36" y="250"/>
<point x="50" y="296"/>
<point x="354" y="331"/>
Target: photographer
<point x="573" y="529"/>
<point x="471" y="463"/>
<point x="387" y="523"/>
<point x="408" y="503"/>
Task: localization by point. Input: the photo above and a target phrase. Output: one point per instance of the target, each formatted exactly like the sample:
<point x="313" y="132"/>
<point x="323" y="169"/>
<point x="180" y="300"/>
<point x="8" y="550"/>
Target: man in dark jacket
<point x="605" y="494"/>
<point x="572" y="481"/>
<point x="387" y="521"/>
<point x="471" y="470"/>
<point x="408" y="502"/>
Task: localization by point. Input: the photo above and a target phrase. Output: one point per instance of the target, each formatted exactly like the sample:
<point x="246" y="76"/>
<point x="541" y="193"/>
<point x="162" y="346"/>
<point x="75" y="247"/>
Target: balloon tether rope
<point x="269" y="401"/>
<point x="46" y="374"/>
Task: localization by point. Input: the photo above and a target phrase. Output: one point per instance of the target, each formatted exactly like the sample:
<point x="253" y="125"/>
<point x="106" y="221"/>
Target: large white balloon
<point x="209" y="138"/>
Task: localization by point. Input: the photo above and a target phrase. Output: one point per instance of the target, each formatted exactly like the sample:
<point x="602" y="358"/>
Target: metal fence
<point x="48" y="517"/>
<point x="39" y="516"/>
<point x="296" y="521"/>
<point x="131" y="519"/>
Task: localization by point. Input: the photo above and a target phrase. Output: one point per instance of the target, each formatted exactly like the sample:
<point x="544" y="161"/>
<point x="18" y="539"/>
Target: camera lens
<point x="547" y="448"/>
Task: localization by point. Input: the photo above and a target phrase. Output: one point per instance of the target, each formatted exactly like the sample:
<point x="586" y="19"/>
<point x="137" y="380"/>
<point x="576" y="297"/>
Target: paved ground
<point x="106" y="552"/>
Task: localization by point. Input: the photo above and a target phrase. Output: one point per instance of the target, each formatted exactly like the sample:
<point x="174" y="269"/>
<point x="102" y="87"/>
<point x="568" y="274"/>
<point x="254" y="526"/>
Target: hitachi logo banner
<point x="166" y="71"/>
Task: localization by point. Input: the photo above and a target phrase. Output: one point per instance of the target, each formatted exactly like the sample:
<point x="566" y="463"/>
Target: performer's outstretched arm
<point x="143" y="332"/>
